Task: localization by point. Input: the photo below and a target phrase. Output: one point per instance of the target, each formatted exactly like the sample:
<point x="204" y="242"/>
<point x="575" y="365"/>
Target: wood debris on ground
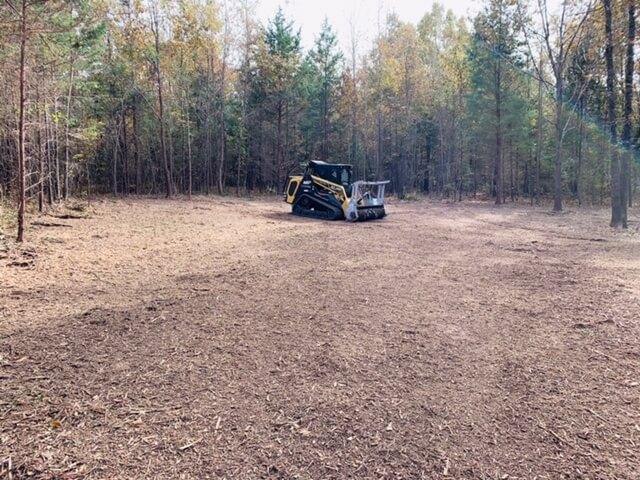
<point x="175" y="339"/>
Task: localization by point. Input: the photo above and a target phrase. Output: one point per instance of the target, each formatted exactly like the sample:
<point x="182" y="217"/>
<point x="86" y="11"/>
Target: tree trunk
<point x="512" y="192"/>
<point x="538" y="144"/>
<point x="67" y="159"/>
<point x="625" y="185"/>
<point x="325" y="122"/>
<point x="222" y="154"/>
<point x="57" y="152"/>
<point x="21" y="125"/>
<point x="136" y="148"/>
<point x="163" y="148"/>
<point x="48" y="150"/>
<point x="474" y="168"/>
<point x="557" y="173"/>
<point x="279" y="146"/>
<point x="189" y="159"/>
<point x="285" y="150"/>
<point x="125" y="152"/>
<point x="498" y="160"/>
<point x="580" y="142"/>
<point x="40" y="154"/>
<point x="378" y="144"/>
<point x="114" y="162"/>
<point x="354" y="112"/>
<point x="171" y="156"/>
<point x="238" y="173"/>
<point x="88" y="184"/>
<point x="617" y="220"/>
<point x="222" y="116"/>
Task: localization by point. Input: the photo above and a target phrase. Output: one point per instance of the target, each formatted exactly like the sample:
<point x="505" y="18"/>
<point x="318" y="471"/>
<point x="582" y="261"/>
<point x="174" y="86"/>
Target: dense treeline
<point x="183" y="96"/>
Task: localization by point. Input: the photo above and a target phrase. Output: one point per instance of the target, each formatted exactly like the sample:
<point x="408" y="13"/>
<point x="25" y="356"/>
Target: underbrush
<point x="7" y="217"/>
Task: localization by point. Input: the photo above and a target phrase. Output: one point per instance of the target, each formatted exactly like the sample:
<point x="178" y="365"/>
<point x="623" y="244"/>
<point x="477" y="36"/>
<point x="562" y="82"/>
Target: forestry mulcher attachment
<point x="325" y="191"/>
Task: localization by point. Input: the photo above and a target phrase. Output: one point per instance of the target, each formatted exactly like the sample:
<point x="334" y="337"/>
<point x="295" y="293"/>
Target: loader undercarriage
<point x="315" y="207"/>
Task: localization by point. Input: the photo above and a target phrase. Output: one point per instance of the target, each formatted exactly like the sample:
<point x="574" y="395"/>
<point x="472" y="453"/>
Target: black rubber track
<point x="322" y="210"/>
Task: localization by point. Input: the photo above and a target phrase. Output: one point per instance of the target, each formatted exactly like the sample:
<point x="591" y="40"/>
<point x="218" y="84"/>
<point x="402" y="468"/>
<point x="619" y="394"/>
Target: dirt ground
<point x="227" y="339"/>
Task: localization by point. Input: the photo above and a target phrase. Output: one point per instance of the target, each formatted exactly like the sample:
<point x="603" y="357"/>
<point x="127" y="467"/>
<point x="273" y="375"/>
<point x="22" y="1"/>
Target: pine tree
<point x="326" y="62"/>
<point x="278" y="60"/>
<point x="493" y="56"/>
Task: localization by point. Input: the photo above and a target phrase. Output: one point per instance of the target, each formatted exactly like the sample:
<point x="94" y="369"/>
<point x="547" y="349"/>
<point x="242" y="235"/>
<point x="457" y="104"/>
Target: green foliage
<point x="245" y="104"/>
<point x="320" y="77"/>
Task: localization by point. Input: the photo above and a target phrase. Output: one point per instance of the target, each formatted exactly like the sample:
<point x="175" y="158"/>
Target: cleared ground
<point x="227" y="339"/>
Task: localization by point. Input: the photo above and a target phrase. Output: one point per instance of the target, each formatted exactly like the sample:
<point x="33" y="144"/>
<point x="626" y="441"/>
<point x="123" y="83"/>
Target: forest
<point x="521" y="102"/>
<point x="165" y="315"/>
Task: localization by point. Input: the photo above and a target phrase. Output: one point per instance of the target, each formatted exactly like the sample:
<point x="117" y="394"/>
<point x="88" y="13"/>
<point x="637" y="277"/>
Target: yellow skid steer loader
<point x="326" y="191"/>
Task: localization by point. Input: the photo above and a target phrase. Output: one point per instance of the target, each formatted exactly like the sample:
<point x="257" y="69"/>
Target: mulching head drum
<point x="370" y="213"/>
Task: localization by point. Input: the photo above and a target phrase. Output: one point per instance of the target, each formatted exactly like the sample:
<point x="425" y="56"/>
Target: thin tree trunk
<point x="378" y="144"/>
<point x="285" y="150"/>
<point x="512" y="192"/>
<point x="474" y="166"/>
<point x="278" y="146"/>
<point x="40" y="154"/>
<point x="163" y="148"/>
<point x="136" y="148"/>
<point x="222" y="116"/>
<point x="222" y="154"/>
<point x="238" y="173"/>
<point x="580" y="142"/>
<point x="616" y="210"/>
<point x="189" y="159"/>
<point x="114" y="162"/>
<point x="354" y="100"/>
<point x="208" y="153"/>
<point x="67" y="159"/>
<point x="57" y="152"/>
<point x="48" y="149"/>
<point x="88" y="183"/>
<point x="125" y="152"/>
<point x="557" y="173"/>
<point x="325" y="121"/>
<point x="171" y="156"/>
<point x="516" y="179"/>
<point x="539" y="130"/>
<point x="625" y="185"/>
<point x="498" y="160"/>
<point x="603" y="152"/>
<point x="21" y="123"/>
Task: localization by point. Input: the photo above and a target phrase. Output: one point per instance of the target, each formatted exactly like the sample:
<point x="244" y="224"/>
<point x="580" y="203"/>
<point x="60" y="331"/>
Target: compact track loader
<point x="326" y="191"/>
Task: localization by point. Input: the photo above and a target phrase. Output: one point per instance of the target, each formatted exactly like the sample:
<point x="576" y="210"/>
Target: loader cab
<point x="339" y="173"/>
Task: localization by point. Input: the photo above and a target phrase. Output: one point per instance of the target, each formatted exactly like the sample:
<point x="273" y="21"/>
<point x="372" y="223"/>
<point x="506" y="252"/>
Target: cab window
<point x="292" y="187"/>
